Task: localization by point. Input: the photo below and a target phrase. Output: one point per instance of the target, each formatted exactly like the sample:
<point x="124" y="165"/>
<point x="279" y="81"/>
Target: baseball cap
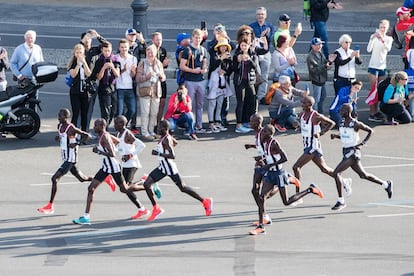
<point x="182" y="36"/>
<point x="130" y="31"/>
<point x="284" y="17"/>
<point x="317" y="41"/>
<point x="402" y="10"/>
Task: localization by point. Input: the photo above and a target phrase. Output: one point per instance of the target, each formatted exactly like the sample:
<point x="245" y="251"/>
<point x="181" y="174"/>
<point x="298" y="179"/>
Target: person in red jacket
<point x="179" y="112"/>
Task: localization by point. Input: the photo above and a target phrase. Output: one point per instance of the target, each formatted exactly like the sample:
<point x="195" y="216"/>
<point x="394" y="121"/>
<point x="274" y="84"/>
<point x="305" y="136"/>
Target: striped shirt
<point x="69" y="154"/>
<point x="167" y="165"/>
<point x="308" y="131"/>
<point x="109" y="164"/>
<point x="272" y="158"/>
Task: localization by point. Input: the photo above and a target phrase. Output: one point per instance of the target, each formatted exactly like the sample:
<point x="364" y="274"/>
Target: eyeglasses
<point x="404" y="79"/>
<point x="347" y="42"/>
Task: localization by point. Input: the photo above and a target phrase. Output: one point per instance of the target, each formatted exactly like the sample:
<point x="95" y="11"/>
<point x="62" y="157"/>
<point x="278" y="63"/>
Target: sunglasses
<point x="347" y="42"/>
<point x="246" y="33"/>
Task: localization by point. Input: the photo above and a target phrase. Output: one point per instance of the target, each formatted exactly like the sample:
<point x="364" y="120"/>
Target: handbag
<point x="145" y="91"/>
<point x="296" y="76"/>
<point x="68" y="79"/>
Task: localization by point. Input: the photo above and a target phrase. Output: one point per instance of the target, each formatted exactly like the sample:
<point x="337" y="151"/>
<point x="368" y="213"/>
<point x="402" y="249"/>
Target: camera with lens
<point x="89" y="86"/>
<point x="180" y="96"/>
<point x="154" y="79"/>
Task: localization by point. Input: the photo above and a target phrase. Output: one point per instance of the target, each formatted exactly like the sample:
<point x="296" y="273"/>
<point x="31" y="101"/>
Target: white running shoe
<point x="296" y="203"/>
<point x="347" y="184"/>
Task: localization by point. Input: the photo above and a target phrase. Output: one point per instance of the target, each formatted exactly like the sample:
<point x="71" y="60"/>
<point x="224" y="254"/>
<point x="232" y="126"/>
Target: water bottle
<point x="1" y="117"/>
<point x="307" y="89"/>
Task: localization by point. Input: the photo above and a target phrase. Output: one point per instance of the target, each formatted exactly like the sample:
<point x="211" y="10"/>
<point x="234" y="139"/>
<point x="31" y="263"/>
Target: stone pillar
<point x="139" y="23"/>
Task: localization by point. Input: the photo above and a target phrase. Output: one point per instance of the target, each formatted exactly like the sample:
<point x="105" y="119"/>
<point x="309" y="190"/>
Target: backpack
<point x="395" y="40"/>
<point x="306" y="9"/>
<point x="381" y="87"/>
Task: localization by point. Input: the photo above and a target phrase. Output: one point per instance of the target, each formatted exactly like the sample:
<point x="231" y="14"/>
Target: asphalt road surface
<point x="372" y="236"/>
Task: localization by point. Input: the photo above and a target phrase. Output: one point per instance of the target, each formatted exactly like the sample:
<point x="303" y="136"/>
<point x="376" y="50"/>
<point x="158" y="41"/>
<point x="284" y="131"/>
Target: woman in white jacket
<point x="379" y="45"/>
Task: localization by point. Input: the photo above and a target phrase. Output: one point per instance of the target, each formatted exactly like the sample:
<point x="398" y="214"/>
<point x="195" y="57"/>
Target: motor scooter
<point x="15" y="115"/>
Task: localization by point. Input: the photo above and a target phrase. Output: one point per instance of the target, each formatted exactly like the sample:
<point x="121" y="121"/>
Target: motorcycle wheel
<point x="29" y="117"/>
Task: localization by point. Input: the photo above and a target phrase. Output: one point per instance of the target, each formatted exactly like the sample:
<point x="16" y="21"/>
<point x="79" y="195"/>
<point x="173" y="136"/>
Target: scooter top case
<point x="45" y="72"/>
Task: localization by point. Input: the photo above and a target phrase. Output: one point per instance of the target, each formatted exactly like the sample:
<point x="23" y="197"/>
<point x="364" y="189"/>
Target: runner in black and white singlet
<point x="167" y="167"/>
<point x="110" y="166"/>
<point x="312" y="125"/>
<point x="275" y="175"/>
<point x="69" y="146"/>
<point x="348" y="133"/>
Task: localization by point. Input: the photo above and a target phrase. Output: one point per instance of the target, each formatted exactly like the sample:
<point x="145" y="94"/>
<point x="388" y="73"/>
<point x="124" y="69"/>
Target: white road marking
<point x="389" y="157"/>
<point x="389" y="166"/>
<point x="106" y="231"/>
<point x="392" y="215"/>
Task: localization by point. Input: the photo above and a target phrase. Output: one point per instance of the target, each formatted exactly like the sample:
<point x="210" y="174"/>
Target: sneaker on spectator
<point x="280" y="128"/>
<point x="135" y="130"/>
<point x="392" y="123"/>
<point x="374" y="118"/>
<point x="214" y="129"/>
<point x="242" y="129"/>
<point x="203" y="131"/>
<point x="221" y="127"/>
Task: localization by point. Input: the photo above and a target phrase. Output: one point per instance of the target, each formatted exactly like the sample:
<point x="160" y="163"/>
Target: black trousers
<point x="80" y="105"/>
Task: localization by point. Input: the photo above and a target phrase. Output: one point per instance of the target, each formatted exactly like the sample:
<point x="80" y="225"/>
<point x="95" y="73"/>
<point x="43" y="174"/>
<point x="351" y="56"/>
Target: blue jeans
<point x="196" y="91"/>
<point x="319" y="94"/>
<point x="185" y="120"/>
<point x="286" y="116"/>
<point x="127" y="97"/>
<point x="321" y="32"/>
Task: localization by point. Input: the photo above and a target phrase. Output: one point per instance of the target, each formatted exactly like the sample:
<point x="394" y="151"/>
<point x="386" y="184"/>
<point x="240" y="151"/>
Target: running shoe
<point x="111" y="182"/>
<point x="266" y="220"/>
<point x="140" y="214"/>
<point x="316" y="190"/>
<point x="259" y="230"/>
<point x="156" y="212"/>
<point x="294" y="180"/>
<point x="338" y="206"/>
<point x="208" y="205"/>
<point x="156" y="189"/>
<point x="144" y="177"/>
<point x="280" y="128"/>
<point x="389" y="188"/>
<point x="347" y="184"/>
<point x="296" y="203"/>
<point x="82" y="220"/>
<point x="47" y="209"/>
